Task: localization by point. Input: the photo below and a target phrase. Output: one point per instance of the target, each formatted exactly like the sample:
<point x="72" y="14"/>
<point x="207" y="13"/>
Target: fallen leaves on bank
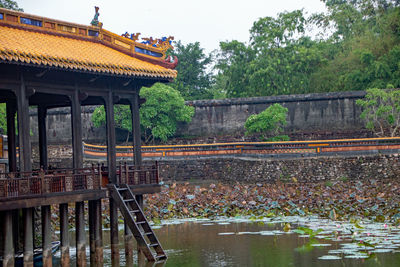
<point x="338" y="200"/>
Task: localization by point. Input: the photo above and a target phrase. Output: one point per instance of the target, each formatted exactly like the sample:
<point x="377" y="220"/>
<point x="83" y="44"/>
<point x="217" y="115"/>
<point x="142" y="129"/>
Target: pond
<point x="288" y="241"/>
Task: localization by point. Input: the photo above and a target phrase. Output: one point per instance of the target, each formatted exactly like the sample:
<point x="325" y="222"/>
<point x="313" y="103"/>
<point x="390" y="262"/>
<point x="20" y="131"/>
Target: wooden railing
<point x="35" y="183"/>
<point x="135" y="175"/>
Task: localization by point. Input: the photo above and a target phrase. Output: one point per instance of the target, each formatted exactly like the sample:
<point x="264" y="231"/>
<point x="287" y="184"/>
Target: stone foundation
<point x="250" y="170"/>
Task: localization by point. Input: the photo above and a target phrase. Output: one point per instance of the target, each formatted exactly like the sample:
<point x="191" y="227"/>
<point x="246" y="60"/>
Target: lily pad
<point x="330" y="257"/>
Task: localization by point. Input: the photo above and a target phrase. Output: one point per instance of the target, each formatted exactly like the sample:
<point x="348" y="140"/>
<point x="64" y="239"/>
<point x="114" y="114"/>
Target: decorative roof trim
<point x="145" y="52"/>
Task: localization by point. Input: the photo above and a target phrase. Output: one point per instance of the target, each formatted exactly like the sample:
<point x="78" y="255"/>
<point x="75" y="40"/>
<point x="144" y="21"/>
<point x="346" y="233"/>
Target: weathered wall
<point x="272" y="170"/>
<point x="310" y="112"/>
<point x="332" y="112"/>
<point x="59" y="126"/>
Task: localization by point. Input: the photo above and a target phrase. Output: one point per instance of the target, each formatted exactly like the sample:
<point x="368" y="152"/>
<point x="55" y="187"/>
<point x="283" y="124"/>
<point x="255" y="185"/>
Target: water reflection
<point x="196" y="244"/>
<point x="245" y="243"/>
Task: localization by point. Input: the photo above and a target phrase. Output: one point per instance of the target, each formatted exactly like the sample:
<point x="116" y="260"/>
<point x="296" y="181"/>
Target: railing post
<point x="41" y="175"/>
<point x="126" y="167"/>
<point x="121" y="181"/>
<point x="100" y="175"/>
<point x="157" y="178"/>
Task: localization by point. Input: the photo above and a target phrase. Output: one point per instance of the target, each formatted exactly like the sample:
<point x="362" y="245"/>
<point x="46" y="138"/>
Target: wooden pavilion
<point x="47" y="63"/>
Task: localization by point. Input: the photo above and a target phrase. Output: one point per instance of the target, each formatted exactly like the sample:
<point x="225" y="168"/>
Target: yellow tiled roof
<point x="18" y="45"/>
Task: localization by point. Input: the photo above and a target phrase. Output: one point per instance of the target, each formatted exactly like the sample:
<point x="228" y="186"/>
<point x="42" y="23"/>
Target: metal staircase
<point x="135" y="219"/>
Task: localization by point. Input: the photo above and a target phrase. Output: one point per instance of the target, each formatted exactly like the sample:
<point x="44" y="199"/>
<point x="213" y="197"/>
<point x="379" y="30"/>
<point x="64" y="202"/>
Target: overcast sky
<point x="205" y="21"/>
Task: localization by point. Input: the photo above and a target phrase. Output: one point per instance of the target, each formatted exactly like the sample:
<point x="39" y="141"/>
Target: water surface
<point x="270" y="242"/>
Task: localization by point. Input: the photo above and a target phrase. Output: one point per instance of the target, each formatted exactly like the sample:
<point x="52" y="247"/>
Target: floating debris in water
<point x="321" y="245"/>
<point x="330" y="257"/>
<point x="357" y="256"/>
<point x="248" y="233"/>
<point x="229" y="233"/>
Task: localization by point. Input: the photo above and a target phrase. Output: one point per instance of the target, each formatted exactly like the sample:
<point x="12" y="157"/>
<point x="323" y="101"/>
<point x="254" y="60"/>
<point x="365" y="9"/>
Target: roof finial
<point x="95" y="20"/>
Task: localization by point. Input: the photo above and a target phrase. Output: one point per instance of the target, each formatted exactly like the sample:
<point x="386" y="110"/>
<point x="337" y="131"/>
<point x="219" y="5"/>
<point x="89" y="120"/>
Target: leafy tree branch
<point x="381" y="111"/>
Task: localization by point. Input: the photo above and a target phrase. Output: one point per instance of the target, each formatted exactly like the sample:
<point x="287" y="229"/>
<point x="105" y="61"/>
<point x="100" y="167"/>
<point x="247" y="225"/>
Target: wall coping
<point x="239" y="101"/>
<point x="276" y="99"/>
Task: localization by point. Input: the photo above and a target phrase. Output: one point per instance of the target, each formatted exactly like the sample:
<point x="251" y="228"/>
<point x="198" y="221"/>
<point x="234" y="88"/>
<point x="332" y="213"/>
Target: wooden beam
<point x="42" y="73"/>
<point x="145" y="189"/>
<point x="64" y="235"/>
<point x="49" y="199"/>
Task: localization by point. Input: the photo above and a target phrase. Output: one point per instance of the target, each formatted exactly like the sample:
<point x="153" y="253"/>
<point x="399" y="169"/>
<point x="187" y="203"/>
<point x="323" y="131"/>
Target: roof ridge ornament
<point x="162" y="43"/>
<point x="95" y="21"/>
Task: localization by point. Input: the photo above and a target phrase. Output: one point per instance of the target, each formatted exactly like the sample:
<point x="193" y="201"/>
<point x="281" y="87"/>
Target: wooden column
<point x="91" y="233"/>
<point x="80" y="234"/>
<point x="64" y="236"/>
<point x="76" y="123"/>
<point x="137" y="150"/>
<point x="112" y="165"/>
<point x="46" y="235"/>
<point x="8" y="252"/>
<point x="25" y="164"/>
<point x="98" y="228"/>
<point x="28" y="237"/>
<point x="42" y="113"/>
<point x="12" y="145"/>
<point x="10" y="226"/>
<point x="95" y="232"/>
<point x="111" y="143"/>
<point x="137" y="141"/>
<point x="114" y="233"/>
<point x="129" y="245"/>
<point x="23" y="128"/>
<point x="11" y="109"/>
<point x="77" y="152"/>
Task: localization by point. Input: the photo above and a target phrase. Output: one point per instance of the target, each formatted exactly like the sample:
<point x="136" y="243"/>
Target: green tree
<point x="194" y="79"/>
<point x="122" y="118"/>
<point x="232" y="66"/>
<point x="269" y="123"/>
<point x="279" y="59"/>
<point x="366" y="42"/>
<point x="163" y="109"/>
<point x="381" y="111"/>
<point x="358" y="47"/>
<point x="9" y="4"/>
<point x="3" y="118"/>
<point x="159" y="115"/>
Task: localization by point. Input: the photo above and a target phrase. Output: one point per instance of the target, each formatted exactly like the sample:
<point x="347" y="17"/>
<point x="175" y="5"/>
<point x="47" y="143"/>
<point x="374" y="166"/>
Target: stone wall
<point x="58" y="122"/>
<point x="307" y="113"/>
<point x="311" y="116"/>
<point x="252" y="170"/>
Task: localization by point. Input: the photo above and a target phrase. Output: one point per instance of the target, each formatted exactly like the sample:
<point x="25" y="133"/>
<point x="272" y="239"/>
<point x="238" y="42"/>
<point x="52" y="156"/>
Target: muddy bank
<point x="377" y="200"/>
